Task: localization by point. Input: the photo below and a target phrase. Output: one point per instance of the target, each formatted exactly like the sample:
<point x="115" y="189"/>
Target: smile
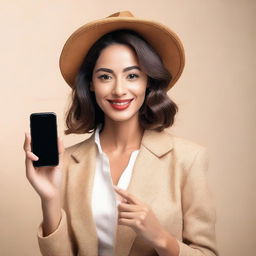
<point x="120" y="104"/>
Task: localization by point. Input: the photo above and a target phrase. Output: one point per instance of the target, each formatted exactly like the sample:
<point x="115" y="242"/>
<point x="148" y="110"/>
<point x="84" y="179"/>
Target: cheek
<point x="100" y="92"/>
<point x="140" y="91"/>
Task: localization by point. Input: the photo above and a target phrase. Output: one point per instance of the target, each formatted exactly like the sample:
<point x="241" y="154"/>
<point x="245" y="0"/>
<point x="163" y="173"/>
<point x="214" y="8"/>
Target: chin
<point x="121" y="117"/>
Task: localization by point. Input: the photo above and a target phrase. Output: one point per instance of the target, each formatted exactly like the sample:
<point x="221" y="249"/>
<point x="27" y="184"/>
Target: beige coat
<point x="168" y="175"/>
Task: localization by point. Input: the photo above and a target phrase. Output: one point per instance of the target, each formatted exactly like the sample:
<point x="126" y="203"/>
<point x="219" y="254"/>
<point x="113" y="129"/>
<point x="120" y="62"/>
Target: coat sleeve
<point x="58" y="242"/>
<point x="198" y="211"/>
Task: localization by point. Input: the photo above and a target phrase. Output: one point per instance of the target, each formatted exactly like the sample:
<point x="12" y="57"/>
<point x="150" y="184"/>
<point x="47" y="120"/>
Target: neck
<point x="121" y="136"/>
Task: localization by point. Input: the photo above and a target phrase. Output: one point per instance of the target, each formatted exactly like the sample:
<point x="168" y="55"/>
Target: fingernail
<point x="36" y="157"/>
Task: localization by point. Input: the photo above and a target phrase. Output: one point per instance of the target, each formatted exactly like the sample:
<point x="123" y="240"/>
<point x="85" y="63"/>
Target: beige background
<point x="216" y="96"/>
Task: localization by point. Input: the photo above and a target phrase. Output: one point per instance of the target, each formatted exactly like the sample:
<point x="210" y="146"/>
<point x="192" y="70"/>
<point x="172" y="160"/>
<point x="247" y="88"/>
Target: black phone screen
<point x="44" y="136"/>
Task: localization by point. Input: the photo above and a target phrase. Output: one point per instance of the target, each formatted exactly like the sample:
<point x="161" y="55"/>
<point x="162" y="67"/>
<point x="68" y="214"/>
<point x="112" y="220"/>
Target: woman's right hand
<point x="45" y="180"/>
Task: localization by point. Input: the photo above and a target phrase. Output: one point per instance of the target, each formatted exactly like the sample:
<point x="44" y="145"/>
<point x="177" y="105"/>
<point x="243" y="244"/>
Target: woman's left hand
<point x="139" y="216"/>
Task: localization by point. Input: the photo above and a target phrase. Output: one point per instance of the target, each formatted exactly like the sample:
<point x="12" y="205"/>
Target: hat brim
<point x="163" y="40"/>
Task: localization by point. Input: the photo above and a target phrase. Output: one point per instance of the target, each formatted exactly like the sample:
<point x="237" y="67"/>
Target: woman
<point x="131" y="188"/>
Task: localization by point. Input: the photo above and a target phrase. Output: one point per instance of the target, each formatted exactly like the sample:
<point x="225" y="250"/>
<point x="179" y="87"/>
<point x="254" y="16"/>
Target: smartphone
<point x="44" y="138"/>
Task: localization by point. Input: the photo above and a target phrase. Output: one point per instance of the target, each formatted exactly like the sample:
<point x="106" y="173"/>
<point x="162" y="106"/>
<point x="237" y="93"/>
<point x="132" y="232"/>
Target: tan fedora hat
<point x="163" y="39"/>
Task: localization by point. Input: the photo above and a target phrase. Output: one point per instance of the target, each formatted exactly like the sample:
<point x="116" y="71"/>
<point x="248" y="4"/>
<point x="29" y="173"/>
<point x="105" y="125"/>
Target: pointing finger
<point x="123" y="193"/>
<point x="27" y="142"/>
<point x="61" y="148"/>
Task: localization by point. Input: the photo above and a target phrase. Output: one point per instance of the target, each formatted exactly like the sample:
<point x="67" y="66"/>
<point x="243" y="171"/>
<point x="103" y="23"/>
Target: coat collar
<point x="79" y="153"/>
<point x="158" y="143"/>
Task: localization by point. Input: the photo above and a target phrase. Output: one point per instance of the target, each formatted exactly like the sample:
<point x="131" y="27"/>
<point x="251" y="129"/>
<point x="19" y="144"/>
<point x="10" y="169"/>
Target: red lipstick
<point x="120" y="104"/>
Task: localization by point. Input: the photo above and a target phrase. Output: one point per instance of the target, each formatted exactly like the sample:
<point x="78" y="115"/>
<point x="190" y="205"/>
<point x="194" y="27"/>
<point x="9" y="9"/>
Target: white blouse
<point x="105" y="200"/>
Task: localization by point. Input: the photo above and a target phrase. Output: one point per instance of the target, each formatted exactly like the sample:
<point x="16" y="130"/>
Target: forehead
<point x="117" y="55"/>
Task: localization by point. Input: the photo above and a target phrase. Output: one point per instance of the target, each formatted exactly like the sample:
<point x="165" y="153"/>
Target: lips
<point x="120" y="104"/>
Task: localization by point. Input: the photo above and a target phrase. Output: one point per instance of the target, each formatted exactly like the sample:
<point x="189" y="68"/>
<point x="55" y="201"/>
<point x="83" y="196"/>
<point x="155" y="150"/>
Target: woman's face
<point x="118" y="83"/>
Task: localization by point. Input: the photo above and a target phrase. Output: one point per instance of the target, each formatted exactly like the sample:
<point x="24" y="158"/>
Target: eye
<point x="132" y="76"/>
<point x="104" y="77"/>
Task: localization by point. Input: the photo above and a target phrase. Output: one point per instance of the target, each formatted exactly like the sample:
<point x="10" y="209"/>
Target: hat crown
<point x="163" y="40"/>
<point x="121" y="14"/>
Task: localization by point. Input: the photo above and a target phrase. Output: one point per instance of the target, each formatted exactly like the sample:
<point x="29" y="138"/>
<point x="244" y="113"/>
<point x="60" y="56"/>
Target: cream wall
<point x="216" y="96"/>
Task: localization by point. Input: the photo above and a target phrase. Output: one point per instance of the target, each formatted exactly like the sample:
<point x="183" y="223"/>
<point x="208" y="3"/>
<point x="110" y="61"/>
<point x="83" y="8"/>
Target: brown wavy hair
<point x="158" y="110"/>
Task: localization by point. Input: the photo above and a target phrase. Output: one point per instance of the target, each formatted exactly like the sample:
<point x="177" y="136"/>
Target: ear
<point x="91" y="86"/>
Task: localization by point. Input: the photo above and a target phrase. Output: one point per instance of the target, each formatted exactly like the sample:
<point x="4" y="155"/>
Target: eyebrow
<point x="111" y="71"/>
<point x="130" y="68"/>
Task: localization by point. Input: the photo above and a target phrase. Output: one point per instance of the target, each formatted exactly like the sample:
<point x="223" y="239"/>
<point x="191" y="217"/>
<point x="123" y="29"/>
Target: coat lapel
<point x="154" y="146"/>
<point x="82" y="172"/>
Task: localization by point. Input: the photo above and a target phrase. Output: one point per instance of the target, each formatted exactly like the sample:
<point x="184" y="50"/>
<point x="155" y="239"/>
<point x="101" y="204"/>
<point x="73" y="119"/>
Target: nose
<point x="119" y="88"/>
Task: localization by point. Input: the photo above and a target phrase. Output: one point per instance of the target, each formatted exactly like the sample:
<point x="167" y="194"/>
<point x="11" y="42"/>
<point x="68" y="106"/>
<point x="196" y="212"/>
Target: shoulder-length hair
<point x="157" y="111"/>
